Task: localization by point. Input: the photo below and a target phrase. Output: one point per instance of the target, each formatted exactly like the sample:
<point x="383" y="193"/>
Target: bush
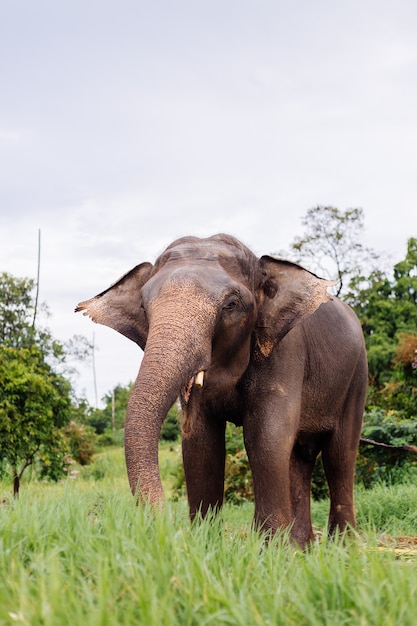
<point x="54" y="462"/>
<point x="111" y="438"/>
<point x="81" y="439"/>
<point x="390" y="466"/>
<point x="171" y="427"/>
<point x="238" y="481"/>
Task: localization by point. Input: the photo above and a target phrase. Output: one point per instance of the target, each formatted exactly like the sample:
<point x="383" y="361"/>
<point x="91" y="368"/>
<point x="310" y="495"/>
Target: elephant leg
<point x="339" y="459"/>
<point x="301" y="468"/>
<point x="203" y="452"/>
<point x="339" y="467"/>
<point x="270" y="429"/>
<point x="269" y="463"/>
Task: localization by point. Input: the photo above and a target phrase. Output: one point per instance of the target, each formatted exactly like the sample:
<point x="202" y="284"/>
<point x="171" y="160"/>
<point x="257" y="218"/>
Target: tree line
<point x="46" y="427"/>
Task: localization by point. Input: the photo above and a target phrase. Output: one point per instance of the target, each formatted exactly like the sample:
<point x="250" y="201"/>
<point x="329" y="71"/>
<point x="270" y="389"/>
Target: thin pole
<point x="37" y="280"/>
<point x="94" y="370"/>
<point x="113" y="410"/>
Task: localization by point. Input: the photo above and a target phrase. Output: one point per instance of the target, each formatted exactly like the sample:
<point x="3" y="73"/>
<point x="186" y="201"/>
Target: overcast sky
<point x="125" y="124"/>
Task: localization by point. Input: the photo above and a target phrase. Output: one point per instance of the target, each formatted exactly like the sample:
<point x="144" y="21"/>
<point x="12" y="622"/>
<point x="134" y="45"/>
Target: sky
<point x="126" y="124"/>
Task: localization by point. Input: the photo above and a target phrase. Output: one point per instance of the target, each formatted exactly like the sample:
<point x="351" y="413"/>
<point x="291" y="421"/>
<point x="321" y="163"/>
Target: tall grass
<point x="82" y="553"/>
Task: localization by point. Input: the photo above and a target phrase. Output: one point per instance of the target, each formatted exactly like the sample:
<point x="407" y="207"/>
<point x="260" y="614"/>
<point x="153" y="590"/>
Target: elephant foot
<point x="341" y="519"/>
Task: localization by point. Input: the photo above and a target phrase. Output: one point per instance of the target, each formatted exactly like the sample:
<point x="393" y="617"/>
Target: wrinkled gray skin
<point x="281" y="357"/>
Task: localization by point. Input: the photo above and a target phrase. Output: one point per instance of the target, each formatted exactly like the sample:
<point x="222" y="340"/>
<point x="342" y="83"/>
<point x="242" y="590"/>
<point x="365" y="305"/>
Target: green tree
<point x="114" y="412"/>
<point x="36" y="398"/>
<point x="331" y="245"/>
<point x="387" y="309"/>
<point x="34" y="407"/>
<point x="18" y="330"/>
<point x="171" y="430"/>
<point x="16" y="311"/>
<point x="81" y="440"/>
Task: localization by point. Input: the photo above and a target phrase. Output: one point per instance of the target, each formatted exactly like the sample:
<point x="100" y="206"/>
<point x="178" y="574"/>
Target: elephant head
<point x="206" y="312"/>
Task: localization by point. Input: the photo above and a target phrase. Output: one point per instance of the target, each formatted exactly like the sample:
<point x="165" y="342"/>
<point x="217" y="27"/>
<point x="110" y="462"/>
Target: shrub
<point x="390" y="466"/>
<point x="111" y="438"/>
<point x="238" y="481"/>
<point x="171" y="427"/>
<point x="81" y="439"/>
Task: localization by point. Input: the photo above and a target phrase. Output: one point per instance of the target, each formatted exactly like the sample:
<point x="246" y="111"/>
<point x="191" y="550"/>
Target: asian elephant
<point x="255" y="341"/>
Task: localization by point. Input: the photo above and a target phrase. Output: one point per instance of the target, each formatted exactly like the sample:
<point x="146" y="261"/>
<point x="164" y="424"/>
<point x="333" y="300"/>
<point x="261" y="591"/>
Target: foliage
<point x="34" y="406"/>
<point x="387" y="309"/>
<point x="406" y="353"/>
<point x="18" y="330"/>
<point x="16" y="311"/>
<point x="111" y="438"/>
<point x="109" y="465"/>
<point x="54" y="461"/>
<point x="238" y="479"/>
<point x="171" y="427"/>
<point x="388" y="509"/>
<point x="114" y="412"/>
<point x="331" y="245"/>
<point x="385" y="465"/>
<point x="36" y="399"/>
<point x="81" y="440"/>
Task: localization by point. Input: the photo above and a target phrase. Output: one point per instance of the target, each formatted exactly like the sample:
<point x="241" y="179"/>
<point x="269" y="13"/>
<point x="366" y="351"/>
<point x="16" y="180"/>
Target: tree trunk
<point x="16" y="483"/>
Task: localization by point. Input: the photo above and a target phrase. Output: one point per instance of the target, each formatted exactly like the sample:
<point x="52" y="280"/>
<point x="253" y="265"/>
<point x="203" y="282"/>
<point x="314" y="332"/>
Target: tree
<point x="387" y="309"/>
<point x="171" y="430"/>
<point x="34" y="407"/>
<point x="332" y="244"/>
<point x="16" y="311"/>
<point x="114" y="413"/>
<point x="36" y="399"/>
<point x="18" y="330"/>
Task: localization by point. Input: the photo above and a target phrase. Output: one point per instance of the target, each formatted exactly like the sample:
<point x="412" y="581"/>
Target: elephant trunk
<point x="176" y="350"/>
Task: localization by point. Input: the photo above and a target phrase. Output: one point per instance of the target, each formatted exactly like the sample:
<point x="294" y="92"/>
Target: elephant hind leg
<point x="339" y="466"/>
<point x="340" y="451"/>
<point x="302" y="463"/>
<point x="339" y="460"/>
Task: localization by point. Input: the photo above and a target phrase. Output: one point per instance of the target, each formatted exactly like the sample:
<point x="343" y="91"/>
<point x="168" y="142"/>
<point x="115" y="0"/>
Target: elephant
<point x="255" y="341"/>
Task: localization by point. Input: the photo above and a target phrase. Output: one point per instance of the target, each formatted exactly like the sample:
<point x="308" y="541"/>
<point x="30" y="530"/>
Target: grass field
<point x="80" y="553"/>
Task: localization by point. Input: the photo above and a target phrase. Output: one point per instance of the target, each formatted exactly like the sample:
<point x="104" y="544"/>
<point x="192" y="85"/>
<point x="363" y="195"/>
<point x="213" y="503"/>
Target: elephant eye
<point x="231" y="303"/>
<point x="270" y="289"/>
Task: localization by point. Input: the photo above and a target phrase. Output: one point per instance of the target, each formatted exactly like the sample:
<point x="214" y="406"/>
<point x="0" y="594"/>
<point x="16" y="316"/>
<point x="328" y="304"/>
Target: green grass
<point x="81" y="552"/>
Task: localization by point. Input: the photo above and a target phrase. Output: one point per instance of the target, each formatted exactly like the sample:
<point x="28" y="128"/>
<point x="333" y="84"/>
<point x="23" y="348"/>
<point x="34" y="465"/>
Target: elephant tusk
<point x="199" y="379"/>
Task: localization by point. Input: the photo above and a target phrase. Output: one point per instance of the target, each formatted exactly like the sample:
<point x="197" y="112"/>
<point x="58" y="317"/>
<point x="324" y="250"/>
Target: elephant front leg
<point x="203" y="451"/>
<point x="269" y="464"/>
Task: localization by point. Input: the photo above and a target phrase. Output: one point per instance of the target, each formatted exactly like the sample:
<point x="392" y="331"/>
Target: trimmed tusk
<point x="199" y="379"/>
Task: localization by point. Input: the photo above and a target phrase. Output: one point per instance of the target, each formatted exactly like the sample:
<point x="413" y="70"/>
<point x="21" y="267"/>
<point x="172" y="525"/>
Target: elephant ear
<point x="289" y="294"/>
<point x="119" y="306"/>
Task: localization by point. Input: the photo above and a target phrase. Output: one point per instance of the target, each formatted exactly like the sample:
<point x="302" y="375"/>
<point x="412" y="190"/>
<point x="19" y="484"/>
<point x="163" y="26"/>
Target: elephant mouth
<point x="196" y="380"/>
